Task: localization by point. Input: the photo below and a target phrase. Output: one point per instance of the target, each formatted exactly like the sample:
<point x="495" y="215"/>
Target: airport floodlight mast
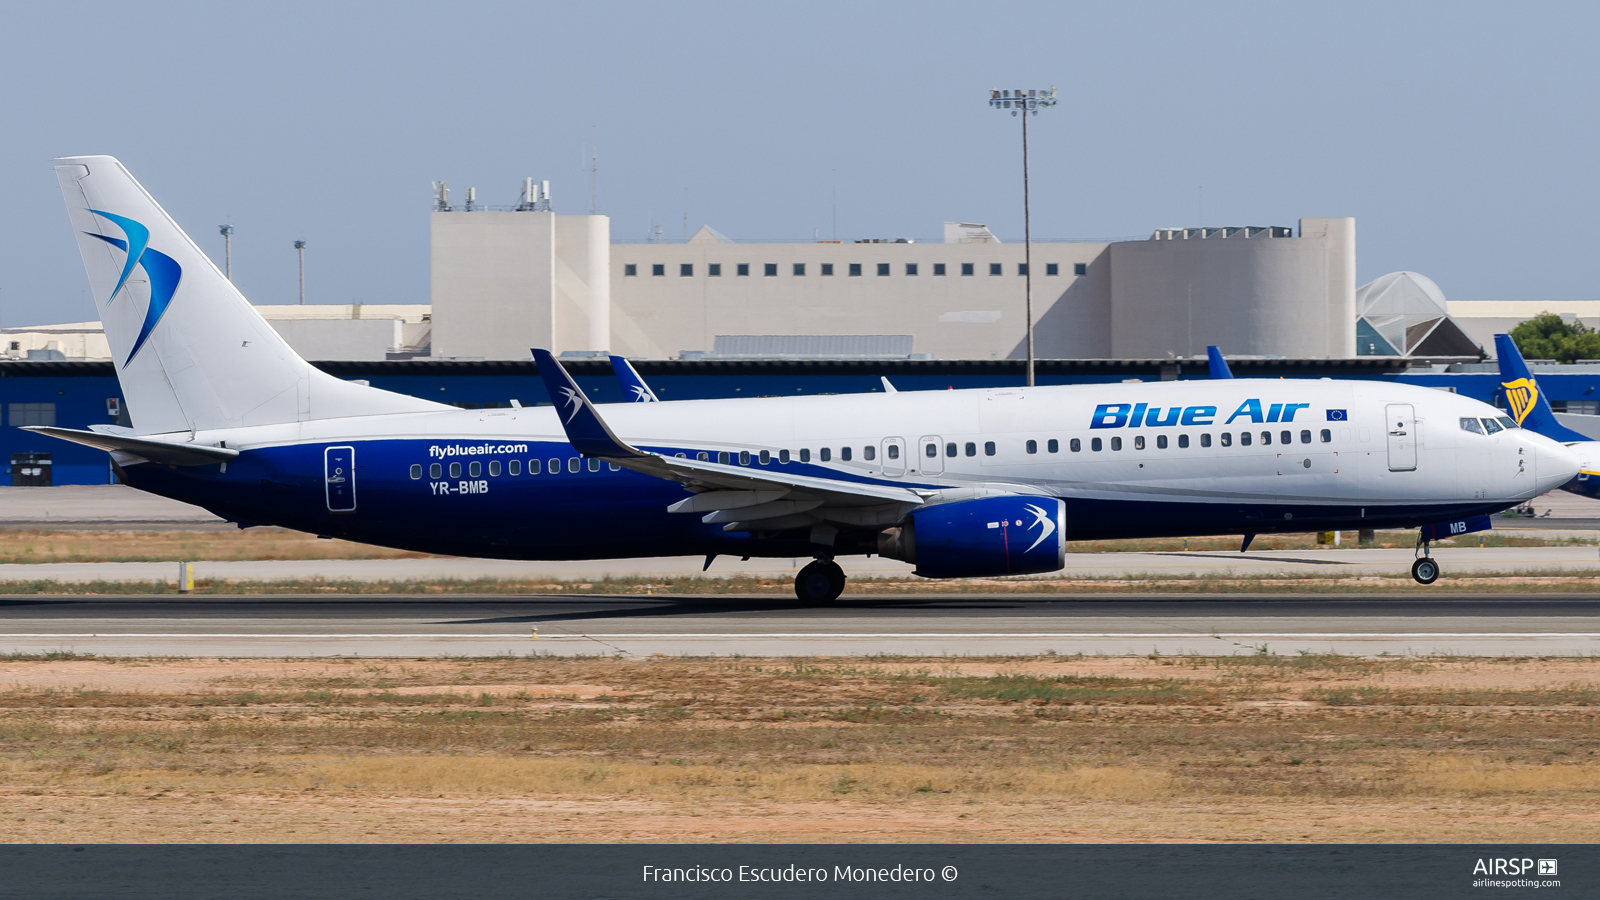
<point x="227" y="250"/>
<point x="1025" y="103"/>
<point x="300" y="247"/>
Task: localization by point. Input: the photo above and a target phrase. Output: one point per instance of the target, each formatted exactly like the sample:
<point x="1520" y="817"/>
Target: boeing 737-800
<point x="960" y="483"/>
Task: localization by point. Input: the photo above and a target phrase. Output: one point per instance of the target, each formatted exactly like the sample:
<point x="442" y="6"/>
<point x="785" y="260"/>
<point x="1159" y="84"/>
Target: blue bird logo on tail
<point x="162" y="270"/>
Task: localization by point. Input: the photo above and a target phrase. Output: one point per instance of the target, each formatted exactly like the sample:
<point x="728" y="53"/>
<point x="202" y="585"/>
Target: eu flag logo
<point x="1337" y="415"/>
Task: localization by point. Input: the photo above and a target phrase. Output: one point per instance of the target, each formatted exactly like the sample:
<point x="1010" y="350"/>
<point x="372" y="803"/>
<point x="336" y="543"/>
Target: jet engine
<point x="984" y="537"/>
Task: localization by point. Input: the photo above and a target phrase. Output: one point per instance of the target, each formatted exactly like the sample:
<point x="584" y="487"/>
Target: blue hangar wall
<point x="80" y="394"/>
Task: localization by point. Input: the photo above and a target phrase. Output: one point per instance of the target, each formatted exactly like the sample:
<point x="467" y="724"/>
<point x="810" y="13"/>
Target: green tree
<point x="1548" y="336"/>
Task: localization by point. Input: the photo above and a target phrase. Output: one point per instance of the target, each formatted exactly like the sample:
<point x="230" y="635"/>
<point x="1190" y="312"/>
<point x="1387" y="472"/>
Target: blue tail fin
<point x="1527" y="403"/>
<point x="588" y="433"/>
<point x="633" y="387"/>
<point x="1219" y="366"/>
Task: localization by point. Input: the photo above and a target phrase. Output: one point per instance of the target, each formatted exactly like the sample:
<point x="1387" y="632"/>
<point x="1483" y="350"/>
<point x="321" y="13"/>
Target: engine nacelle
<point x="977" y="538"/>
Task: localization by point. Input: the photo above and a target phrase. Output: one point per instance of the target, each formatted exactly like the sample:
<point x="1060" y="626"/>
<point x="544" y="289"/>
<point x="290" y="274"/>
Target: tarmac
<point x="949" y="625"/>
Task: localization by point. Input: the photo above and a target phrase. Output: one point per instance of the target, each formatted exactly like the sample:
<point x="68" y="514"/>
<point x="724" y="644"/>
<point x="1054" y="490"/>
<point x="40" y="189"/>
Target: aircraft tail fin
<point x="1218" y="365"/>
<point x="633" y="387"/>
<point x="190" y="351"/>
<point x="1527" y="403"/>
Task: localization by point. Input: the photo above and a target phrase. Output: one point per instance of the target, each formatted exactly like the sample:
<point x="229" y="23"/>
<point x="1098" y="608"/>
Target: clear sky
<point x="1462" y="136"/>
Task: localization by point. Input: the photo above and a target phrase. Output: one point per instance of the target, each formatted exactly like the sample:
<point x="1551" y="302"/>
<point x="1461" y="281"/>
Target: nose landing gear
<point x="1426" y="569"/>
<point x="822" y="581"/>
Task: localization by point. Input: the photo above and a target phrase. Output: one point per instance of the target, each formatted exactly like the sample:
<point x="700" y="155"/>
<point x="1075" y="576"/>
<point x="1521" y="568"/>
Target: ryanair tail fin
<point x="190" y="352"/>
<point x="1527" y="403"/>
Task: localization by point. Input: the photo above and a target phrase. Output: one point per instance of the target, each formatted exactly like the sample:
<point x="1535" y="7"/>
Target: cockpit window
<point x="1506" y="421"/>
<point x="1471" y="425"/>
<point x="1490" y="426"/>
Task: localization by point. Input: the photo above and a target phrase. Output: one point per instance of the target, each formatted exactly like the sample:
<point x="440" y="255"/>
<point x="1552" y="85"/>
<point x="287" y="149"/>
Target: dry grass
<point x="1036" y="749"/>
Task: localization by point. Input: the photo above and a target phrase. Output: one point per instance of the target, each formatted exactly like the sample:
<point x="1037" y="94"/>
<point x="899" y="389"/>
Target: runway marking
<point x="843" y="634"/>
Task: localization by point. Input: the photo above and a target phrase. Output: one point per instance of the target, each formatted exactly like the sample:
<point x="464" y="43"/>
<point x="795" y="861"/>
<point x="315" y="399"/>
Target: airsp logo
<point x="1502" y="866"/>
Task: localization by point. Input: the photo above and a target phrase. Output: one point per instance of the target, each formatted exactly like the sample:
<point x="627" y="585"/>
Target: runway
<point x="946" y="625"/>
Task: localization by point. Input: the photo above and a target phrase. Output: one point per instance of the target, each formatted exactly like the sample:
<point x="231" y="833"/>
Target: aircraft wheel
<point x="1425" y="570"/>
<point x="820" y="582"/>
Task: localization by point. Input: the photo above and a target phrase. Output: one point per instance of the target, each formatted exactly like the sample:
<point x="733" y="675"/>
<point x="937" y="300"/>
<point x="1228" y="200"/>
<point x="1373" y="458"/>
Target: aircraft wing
<point x="171" y="453"/>
<point x="744" y="498"/>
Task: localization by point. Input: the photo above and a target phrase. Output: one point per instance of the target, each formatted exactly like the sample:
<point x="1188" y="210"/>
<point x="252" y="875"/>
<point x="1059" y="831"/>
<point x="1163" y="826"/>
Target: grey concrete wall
<point x="1248" y="296"/>
<point x="492" y="276"/>
<point x="980" y="316"/>
<point x="365" y="339"/>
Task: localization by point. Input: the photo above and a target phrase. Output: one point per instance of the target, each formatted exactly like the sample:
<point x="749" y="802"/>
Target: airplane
<point x="1531" y="410"/>
<point x="960" y="483"/>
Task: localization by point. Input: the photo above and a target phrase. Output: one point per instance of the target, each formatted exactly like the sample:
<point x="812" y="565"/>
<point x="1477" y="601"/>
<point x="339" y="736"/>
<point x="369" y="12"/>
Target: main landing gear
<point x="1426" y="569"/>
<point x="822" y="581"/>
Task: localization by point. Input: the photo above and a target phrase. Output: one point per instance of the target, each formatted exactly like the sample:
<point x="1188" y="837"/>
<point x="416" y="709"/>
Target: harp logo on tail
<point x="1521" y="395"/>
<point x="163" y="272"/>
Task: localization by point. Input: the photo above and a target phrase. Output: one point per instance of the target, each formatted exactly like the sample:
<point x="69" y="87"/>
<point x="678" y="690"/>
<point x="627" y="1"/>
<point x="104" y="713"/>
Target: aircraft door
<point x="894" y="456"/>
<point x="930" y="460"/>
<point x="1402" y="429"/>
<point x="339" y="477"/>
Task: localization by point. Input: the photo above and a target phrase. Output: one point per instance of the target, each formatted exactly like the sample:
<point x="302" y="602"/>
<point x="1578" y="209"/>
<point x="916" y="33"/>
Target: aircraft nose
<point x="1554" y="464"/>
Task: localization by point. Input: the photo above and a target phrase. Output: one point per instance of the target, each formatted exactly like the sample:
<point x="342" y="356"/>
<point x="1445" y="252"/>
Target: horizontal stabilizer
<point x="170" y="453"/>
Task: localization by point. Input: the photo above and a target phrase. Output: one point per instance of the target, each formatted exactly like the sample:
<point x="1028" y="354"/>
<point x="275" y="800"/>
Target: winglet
<point x="586" y="431"/>
<point x="1219" y="366"/>
<point x="887" y="387"/>
<point x="633" y="387"/>
<point x="1528" y="404"/>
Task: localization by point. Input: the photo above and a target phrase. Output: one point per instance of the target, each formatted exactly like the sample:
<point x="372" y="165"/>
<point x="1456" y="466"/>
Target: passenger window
<point x="894" y="451"/>
<point x="722" y="457"/>
<point x="1227" y="439"/>
<point x="1094" y="444"/>
<point x="931" y="451"/>
<point x="1116" y="443"/>
<point x="535" y="467"/>
<point x="744" y="457"/>
<point x="474" y="469"/>
<point x="1053" y="446"/>
<point x="805" y="455"/>
<point x="594" y="464"/>
<point x="612" y="466"/>
<point x="1183" y="442"/>
<point x="825" y="454"/>
<point x="1266" y="438"/>
<point x="1244" y="438"/>
<point x="1161" y="442"/>
<point x="435" y="470"/>
<point x="514" y="467"/>
<point x="455" y="470"/>
<point x="1075" y="445"/>
<point x="1205" y="439"/>
<point x="1138" y="442"/>
<point x="972" y="449"/>
<point x="416" y="471"/>
<point x="703" y="456"/>
<point x="1327" y="435"/>
<point x="783" y="457"/>
<point x="988" y="448"/>
<point x="1470" y="424"/>
<point x="1285" y="437"/>
<point x="844" y="454"/>
<point x="765" y="458"/>
<point x="869" y="452"/>
<point x="1033" y="446"/>
<point x="1490" y="426"/>
<point x="679" y="456"/>
<point x="494" y="467"/>
<point x="1305" y="436"/>
<point x="555" y="466"/>
<point x="574" y="464"/>
<point x="950" y="449"/>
